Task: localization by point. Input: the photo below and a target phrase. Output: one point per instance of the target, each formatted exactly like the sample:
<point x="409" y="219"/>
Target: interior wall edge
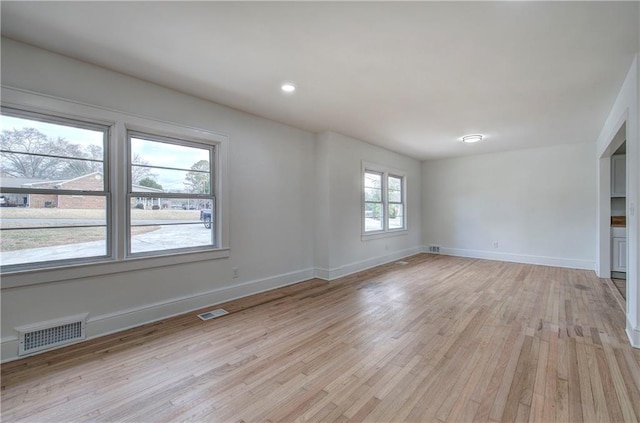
<point x="359" y="266"/>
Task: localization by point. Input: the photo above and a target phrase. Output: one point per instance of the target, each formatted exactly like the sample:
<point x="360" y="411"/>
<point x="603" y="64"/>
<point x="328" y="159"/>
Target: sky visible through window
<point x="162" y="154"/>
<point x="80" y="136"/>
<point x="155" y="154"/>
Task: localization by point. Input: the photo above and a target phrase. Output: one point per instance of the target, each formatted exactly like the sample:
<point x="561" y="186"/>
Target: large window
<point x="384" y="201"/>
<point x="170" y="193"/>
<point x="54" y="191"/>
<point x="108" y="189"/>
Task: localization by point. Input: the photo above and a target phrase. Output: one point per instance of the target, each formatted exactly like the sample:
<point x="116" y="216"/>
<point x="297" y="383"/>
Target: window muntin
<point x="171" y="195"/>
<point x="383" y="201"/>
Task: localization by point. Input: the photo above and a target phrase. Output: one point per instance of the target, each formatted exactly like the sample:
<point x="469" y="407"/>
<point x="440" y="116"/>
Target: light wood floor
<point x="440" y="339"/>
<point x="621" y="285"/>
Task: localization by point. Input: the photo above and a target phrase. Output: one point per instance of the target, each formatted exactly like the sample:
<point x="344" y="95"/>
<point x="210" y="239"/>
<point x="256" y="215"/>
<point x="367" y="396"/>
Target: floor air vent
<point x="402" y="262"/>
<point x="51" y="334"/>
<point x="213" y="314"/>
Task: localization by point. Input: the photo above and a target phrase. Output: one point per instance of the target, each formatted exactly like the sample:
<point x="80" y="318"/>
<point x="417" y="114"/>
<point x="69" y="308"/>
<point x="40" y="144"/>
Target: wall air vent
<point x="55" y="333"/>
<point x="213" y="314"/>
<point x="434" y="248"/>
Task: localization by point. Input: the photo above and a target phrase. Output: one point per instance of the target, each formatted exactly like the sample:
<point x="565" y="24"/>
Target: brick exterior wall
<point x="86" y="183"/>
<point x="80" y="202"/>
<point x="40" y="201"/>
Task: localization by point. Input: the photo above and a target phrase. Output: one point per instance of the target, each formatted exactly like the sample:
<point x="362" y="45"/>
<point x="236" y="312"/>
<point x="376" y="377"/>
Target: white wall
<point x="295" y="206"/>
<point x="342" y="249"/>
<point x="538" y="205"/>
<point x="271" y="176"/>
<point x="624" y="110"/>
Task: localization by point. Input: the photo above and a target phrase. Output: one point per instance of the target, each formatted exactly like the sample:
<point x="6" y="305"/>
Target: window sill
<point x="388" y="234"/>
<point x="107" y="267"/>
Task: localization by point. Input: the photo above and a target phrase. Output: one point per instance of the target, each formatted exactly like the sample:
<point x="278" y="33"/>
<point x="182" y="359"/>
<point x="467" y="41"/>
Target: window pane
<point x="53" y="227"/>
<point x="373" y="217"/>
<point x="395" y="189"/>
<point x="165" y="224"/>
<point x="372" y="187"/>
<point x="396" y="216"/>
<point x="169" y="180"/>
<point x="372" y="180"/>
<point x="34" y="150"/>
<point x="395" y="183"/>
<point x="373" y="194"/>
<point x="176" y="168"/>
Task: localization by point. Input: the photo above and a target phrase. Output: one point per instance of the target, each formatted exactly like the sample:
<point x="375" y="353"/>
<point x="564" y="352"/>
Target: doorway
<point x="619" y="216"/>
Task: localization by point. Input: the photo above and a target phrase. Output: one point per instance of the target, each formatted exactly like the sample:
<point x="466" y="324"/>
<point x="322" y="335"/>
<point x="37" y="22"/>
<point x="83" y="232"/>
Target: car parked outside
<point x="206" y="217"/>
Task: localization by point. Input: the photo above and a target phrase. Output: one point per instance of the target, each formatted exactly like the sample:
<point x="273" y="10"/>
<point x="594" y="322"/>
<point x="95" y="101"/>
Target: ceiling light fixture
<point x="288" y="87"/>
<point x="472" y="138"/>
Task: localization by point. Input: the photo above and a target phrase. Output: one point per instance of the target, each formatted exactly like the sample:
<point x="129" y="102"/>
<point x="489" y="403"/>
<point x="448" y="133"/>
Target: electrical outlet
<point x="495" y="244"/>
<point x="236" y="272"/>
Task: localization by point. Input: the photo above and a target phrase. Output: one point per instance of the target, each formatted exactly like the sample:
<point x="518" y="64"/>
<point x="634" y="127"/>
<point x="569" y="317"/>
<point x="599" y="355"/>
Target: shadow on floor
<point x="621" y="284"/>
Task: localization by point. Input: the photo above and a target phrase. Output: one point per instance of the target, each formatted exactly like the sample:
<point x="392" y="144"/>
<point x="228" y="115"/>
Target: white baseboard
<point x="348" y="269"/>
<point x="125" y="319"/>
<point x="517" y="258"/>
<point x="9" y="348"/>
<point x="633" y="334"/>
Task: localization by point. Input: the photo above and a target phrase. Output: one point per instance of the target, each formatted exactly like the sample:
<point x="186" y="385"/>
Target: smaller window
<point x="384" y="200"/>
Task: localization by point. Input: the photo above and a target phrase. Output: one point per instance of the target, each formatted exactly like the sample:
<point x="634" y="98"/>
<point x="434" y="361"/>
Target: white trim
<point x="633" y="334"/>
<point x="389" y="234"/>
<point x="95" y="268"/>
<point x="119" y="121"/>
<point x="149" y="135"/>
<point x="517" y="258"/>
<point x="348" y="269"/>
<point x="126" y="319"/>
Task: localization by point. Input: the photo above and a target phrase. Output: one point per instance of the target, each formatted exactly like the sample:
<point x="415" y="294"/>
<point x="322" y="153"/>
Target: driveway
<point x="172" y="236"/>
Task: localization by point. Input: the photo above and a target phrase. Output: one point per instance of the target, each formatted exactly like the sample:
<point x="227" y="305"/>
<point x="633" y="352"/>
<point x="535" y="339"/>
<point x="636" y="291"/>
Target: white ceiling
<point x="412" y="77"/>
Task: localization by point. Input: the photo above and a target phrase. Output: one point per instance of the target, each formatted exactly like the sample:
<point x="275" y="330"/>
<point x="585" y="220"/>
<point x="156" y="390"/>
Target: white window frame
<point x="74" y="193"/>
<point x="119" y="123"/>
<point x="385" y="171"/>
<point x="133" y="194"/>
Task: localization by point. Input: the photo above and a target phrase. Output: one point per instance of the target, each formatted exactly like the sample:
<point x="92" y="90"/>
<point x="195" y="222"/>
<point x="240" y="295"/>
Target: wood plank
<point x="442" y="339"/>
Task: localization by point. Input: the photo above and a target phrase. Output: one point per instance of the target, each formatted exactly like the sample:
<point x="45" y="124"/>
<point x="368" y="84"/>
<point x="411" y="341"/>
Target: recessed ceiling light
<point x="472" y="138"/>
<point x="288" y="87"/>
